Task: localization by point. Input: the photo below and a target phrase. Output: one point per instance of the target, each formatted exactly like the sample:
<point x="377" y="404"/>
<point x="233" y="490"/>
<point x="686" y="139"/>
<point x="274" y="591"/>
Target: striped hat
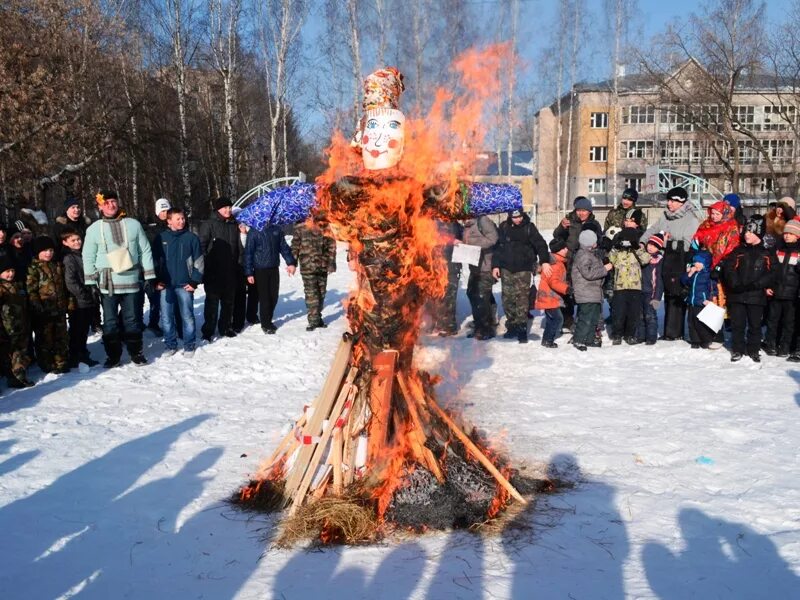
<point x="657" y="239"/>
<point x="792" y="227"/>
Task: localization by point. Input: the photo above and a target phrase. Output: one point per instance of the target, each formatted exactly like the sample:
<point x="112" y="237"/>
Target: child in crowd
<point x="82" y="302"/>
<point x="14" y="327"/>
<point x="652" y="289"/>
<point x="783" y="296"/>
<point x="747" y="273"/>
<point x="588" y="272"/>
<point x="47" y="293"/>
<point x="702" y="291"/>
<point x="552" y="289"/>
<point x="627" y="258"/>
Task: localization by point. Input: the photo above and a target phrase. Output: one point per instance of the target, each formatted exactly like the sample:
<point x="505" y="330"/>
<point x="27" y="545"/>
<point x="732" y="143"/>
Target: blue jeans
<point x="185" y="301"/>
<point x="126" y="305"/>
<point x="553" y="320"/>
<point x="648" y="325"/>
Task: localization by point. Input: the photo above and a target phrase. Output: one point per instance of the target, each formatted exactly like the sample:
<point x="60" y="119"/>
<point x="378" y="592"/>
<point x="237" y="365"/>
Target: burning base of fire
<point x="375" y="452"/>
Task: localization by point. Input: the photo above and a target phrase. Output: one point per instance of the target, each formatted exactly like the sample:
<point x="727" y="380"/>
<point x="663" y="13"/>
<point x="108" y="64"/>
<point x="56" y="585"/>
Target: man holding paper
<point x="480" y="234"/>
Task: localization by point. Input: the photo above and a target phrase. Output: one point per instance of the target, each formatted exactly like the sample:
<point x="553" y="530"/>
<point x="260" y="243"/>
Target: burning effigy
<point x="375" y="449"/>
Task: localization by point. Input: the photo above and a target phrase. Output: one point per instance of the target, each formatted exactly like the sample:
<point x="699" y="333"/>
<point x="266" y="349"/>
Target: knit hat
<point x="557" y="244"/>
<point x="792" y="227"/>
<point x="630" y="194"/>
<point x="70" y="202"/>
<point x="42" y="243"/>
<point x="635" y="215"/>
<point x="677" y="193"/>
<point x="703" y="257"/>
<point x="105" y="195"/>
<point x="162" y="204"/>
<point x="222" y="202"/>
<point x="515" y="213"/>
<point x="756" y="225"/>
<point x="657" y="239"/>
<point x="18" y="226"/>
<point x="6" y="263"/>
<point x="789" y="201"/>
<point x="582" y="203"/>
<point x="733" y="200"/>
<point x="587" y="238"/>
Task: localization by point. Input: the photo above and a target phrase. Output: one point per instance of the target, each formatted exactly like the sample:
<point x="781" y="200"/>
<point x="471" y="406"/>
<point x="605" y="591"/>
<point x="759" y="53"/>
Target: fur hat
<point x="582" y="203"/>
<point x="792" y="227"/>
<point x="630" y="194"/>
<point x="788" y="201"/>
<point x="678" y="193"/>
<point x="635" y="215"/>
<point x="162" y="204"/>
<point x="587" y="238"/>
<point x="42" y="243"/>
<point x="657" y="239"/>
<point x="222" y="202"/>
<point x="6" y="263"/>
<point x="756" y="225"/>
<point x="557" y="244"/>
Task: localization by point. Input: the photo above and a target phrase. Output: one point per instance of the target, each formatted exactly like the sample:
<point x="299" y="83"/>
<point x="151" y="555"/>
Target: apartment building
<point x="602" y="149"/>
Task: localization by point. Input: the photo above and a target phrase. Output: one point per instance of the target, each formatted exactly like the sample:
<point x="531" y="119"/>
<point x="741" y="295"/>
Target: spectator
<point x="588" y="272"/>
<point x="519" y="245"/>
<point x="245" y="303"/>
<point x="443" y="310"/>
<point x="627" y="258"/>
<point x="679" y="224"/>
<point x="783" y="295"/>
<point x="47" y="294"/>
<point x="747" y="273"/>
<point x="777" y="217"/>
<point x="616" y="216"/>
<point x="71" y="219"/>
<point x="153" y="296"/>
<point x="219" y="241"/>
<point x="115" y="252"/>
<point x="736" y="203"/>
<point x="82" y="301"/>
<point x="179" y="271"/>
<point x="14" y="327"/>
<point x="21" y="254"/>
<point x="261" y="261"/>
<point x="481" y="232"/>
<point x="652" y="290"/>
<point x="552" y="290"/>
<point x="702" y="291"/>
<point x="314" y="249"/>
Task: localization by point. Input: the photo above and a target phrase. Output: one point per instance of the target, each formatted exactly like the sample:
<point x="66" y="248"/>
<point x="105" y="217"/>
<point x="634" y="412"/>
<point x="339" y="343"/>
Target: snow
<point x="685" y="468"/>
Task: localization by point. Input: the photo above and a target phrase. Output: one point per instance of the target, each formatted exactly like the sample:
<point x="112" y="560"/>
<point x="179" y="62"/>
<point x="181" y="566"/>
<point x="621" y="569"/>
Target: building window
<point x="778" y="118"/>
<point x="744" y="117"/>
<point x="637" y="183"/>
<point x="636" y="149"/>
<point x="677" y="152"/>
<point x="762" y="185"/>
<point x="598" y="153"/>
<point x="597" y="186"/>
<point x="638" y="115"/>
<point x="599" y="120"/>
<point x="779" y="151"/>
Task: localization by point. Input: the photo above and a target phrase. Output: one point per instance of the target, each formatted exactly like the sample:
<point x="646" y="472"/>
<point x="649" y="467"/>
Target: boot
<point x="522" y="336"/>
<point x="113" y="346"/>
<point x="133" y="341"/>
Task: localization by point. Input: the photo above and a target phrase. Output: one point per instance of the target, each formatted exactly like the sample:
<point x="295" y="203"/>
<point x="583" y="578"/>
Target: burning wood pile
<point x="375" y="450"/>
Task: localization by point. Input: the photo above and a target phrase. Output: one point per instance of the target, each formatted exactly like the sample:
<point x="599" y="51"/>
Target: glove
<point x="655" y="304"/>
<point x="149" y="287"/>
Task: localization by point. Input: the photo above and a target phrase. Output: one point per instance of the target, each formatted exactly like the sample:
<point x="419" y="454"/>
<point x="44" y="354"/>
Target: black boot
<point x="133" y="341"/>
<point x="113" y="346"/>
<point x="522" y="336"/>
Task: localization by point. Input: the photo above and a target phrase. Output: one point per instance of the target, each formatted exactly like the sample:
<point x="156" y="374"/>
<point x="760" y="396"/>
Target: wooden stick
<point x="380" y="401"/>
<point x="428" y="459"/>
<point x="336" y="462"/>
<point x="476" y="452"/>
<point x="281" y="449"/>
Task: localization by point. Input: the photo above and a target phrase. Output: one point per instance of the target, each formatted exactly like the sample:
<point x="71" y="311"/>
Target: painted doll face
<point x="383" y="138"/>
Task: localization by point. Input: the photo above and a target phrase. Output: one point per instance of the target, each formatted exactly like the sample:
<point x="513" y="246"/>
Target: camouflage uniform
<point x="443" y="310"/>
<point x="14" y="331"/>
<point x="49" y="301"/>
<point x="516" y="298"/>
<point x="616" y="216"/>
<point x="315" y="251"/>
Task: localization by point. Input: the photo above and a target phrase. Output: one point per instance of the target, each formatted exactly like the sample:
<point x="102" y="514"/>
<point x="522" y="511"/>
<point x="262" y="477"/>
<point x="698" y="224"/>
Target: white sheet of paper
<point x="464" y="253"/>
<point x="713" y="316"/>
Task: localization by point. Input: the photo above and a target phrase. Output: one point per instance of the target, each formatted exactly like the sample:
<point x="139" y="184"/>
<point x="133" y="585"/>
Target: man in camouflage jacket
<point x="49" y="300"/>
<point x="616" y="216"/>
<point x="314" y="249"/>
<point x="14" y="327"/>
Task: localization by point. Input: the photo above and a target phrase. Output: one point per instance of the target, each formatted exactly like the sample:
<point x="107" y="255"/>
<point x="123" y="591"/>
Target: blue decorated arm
<point x="283" y="206"/>
<point x="489" y="198"/>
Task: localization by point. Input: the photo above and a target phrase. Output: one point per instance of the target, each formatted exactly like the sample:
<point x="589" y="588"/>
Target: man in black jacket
<point x="519" y="245"/>
<point x="219" y="242"/>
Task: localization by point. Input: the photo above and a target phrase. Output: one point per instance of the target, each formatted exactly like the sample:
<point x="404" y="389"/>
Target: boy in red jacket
<point x="552" y="290"/>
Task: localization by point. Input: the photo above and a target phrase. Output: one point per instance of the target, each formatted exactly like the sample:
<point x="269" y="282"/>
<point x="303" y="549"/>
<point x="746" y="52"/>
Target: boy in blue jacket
<point x="262" y="257"/>
<point x="179" y="270"/>
<point x="702" y="291"/>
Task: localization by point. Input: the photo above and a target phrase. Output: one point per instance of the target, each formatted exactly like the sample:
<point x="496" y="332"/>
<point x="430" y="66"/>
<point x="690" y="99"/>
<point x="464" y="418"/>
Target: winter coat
<point x="576" y="226"/>
<point x="96" y="267"/>
<point x="154" y="229"/>
<point x="616" y="217"/>
<point x="652" y="284"/>
<point x="553" y="289"/>
<point x="788" y="266"/>
<point x="219" y="243"/>
<point x="14" y="323"/>
<point x="775" y="223"/>
<point x="719" y="238"/>
<point x="80" y="295"/>
<point x="63" y="222"/>
<point x="178" y="258"/>
<point x="47" y="292"/>
<point x="481" y="232"/>
<point x="22" y="260"/>
<point x="628" y="267"/>
<point x="519" y="246"/>
<point x="314" y="249"/>
<point x="681" y="226"/>
<point x="700" y="285"/>
<point x="747" y="272"/>
<point x="587" y="277"/>
<point x="265" y="248"/>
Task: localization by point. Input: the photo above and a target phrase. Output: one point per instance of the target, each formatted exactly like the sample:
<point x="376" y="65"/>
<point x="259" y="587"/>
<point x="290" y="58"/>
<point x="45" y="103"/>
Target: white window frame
<point x="639" y="115"/>
<point x="598" y="153"/>
<point x="598" y="120"/>
<point x="637" y="183"/>
<point x="597" y="185"/>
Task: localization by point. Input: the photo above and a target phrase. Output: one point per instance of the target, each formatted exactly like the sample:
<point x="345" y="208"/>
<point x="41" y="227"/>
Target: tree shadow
<point x="720" y="559"/>
<point x="317" y="574"/>
<point x="293" y="305"/>
<point x="91" y="534"/>
<point x="796" y="376"/>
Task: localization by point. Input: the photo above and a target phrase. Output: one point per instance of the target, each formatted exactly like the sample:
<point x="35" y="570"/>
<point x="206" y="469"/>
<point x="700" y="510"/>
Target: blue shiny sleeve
<point x="282" y="206"/>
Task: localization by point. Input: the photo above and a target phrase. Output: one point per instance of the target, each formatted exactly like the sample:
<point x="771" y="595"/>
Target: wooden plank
<point x="428" y="459"/>
<point x="380" y="402"/>
<point x="282" y="449"/>
<point x="321" y="409"/>
<point x="336" y="462"/>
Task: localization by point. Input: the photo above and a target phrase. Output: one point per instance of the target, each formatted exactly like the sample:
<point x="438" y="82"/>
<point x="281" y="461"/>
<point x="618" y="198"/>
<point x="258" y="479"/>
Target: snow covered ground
<point x="688" y="482"/>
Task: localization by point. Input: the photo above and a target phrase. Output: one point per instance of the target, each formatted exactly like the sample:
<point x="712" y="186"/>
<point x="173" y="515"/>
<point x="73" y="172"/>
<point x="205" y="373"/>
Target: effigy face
<point x="383" y="138"/>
